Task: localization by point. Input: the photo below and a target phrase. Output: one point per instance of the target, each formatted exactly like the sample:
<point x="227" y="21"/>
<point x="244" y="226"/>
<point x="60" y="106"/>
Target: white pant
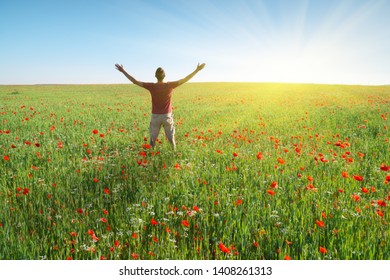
<point x="156" y="122"/>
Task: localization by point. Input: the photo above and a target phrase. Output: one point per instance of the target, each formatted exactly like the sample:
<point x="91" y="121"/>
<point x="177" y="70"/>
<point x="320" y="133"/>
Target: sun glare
<point x="299" y="50"/>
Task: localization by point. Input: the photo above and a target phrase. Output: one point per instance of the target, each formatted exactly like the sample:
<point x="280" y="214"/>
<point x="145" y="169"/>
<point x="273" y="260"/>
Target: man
<point x="161" y="93"/>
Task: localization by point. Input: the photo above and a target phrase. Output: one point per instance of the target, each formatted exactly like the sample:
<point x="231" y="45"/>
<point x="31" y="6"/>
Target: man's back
<point x="161" y="96"/>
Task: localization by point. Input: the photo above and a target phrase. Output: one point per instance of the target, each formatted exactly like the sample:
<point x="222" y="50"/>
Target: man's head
<point x="160" y="74"/>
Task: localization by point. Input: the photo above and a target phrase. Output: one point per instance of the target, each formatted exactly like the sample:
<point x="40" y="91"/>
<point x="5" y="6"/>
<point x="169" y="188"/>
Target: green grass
<point x="66" y="192"/>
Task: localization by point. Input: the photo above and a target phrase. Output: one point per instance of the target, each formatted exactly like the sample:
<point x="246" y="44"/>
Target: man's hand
<point x="200" y="66"/>
<point x="119" y="67"/>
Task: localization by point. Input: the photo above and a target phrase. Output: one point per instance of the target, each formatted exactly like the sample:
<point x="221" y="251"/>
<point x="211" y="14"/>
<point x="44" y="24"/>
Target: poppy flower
<point x="238" y="202"/>
<point x="153" y="222"/>
<point x="358" y="178"/>
<point x="104" y="220"/>
<point x="271" y="192"/>
<point x="365" y="190"/>
<point x="259" y="155"/>
<point x="94" y="237"/>
<point x="95" y="131"/>
<point x="383" y="167"/>
<point x="356" y="197"/>
<point x="274" y="185"/>
<point x="381" y="203"/>
<point x="287" y="258"/>
<point x="380" y="213"/>
<point x="281" y="161"/>
<point x="6" y="158"/>
<point x="320" y="223"/>
<point x="146" y="146"/>
<point x="223" y="248"/>
<point x="185" y="223"/>
<point x="345" y="174"/>
<point x="323" y="250"/>
<point x="134" y="255"/>
<point x="177" y="166"/>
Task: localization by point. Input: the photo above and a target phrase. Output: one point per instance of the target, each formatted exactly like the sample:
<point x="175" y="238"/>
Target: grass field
<point x="261" y="171"/>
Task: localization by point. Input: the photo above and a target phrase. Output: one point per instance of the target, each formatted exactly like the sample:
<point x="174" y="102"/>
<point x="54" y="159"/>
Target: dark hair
<point x="160" y="74"/>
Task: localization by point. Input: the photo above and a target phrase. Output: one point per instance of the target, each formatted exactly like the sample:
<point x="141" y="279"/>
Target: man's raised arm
<point x="186" y="79"/>
<point x="120" y="68"/>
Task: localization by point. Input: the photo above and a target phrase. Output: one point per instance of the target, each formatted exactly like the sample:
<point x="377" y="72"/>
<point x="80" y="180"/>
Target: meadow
<point x="261" y="171"/>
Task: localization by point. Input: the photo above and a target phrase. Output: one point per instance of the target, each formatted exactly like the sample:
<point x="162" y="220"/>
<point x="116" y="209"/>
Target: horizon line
<point x="204" y="82"/>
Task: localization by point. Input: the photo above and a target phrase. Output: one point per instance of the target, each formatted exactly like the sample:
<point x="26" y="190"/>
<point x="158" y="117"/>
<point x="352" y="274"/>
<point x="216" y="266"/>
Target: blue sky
<point x="305" y="41"/>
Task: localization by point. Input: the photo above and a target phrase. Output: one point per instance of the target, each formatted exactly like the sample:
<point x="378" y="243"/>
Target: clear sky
<point x="302" y="41"/>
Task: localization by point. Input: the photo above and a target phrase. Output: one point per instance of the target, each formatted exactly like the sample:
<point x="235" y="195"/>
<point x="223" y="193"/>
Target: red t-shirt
<point x="161" y="96"/>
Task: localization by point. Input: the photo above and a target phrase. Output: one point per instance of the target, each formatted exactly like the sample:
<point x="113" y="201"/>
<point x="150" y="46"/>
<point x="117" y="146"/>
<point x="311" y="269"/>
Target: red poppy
<point x="271" y="192"/>
<point x="185" y="223"/>
<point x="287" y="258"/>
<point x="358" y="178"/>
<point x="365" y="190"/>
<point x="223" y="248"/>
<point x="6" y="158"/>
<point x="380" y="213"/>
<point x="153" y="222"/>
<point x="281" y="161"/>
<point x="235" y="154"/>
<point x="356" y="197"/>
<point x="95" y="131"/>
<point x="259" y="155"/>
<point x="104" y="220"/>
<point x="238" y="202"/>
<point x="95" y="180"/>
<point x="60" y="145"/>
<point x="320" y="223"/>
<point x="345" y="174"/>
<point x="274" y="185"/>
<point x="177" y="166"/>
<point x="383" y="167"/>
<point x="134" y="255"/>
<point x="94" y="237"/>
<point x="146" y="146"/>
<point x="323" y="250"/>
<point x="381" y="203"/>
